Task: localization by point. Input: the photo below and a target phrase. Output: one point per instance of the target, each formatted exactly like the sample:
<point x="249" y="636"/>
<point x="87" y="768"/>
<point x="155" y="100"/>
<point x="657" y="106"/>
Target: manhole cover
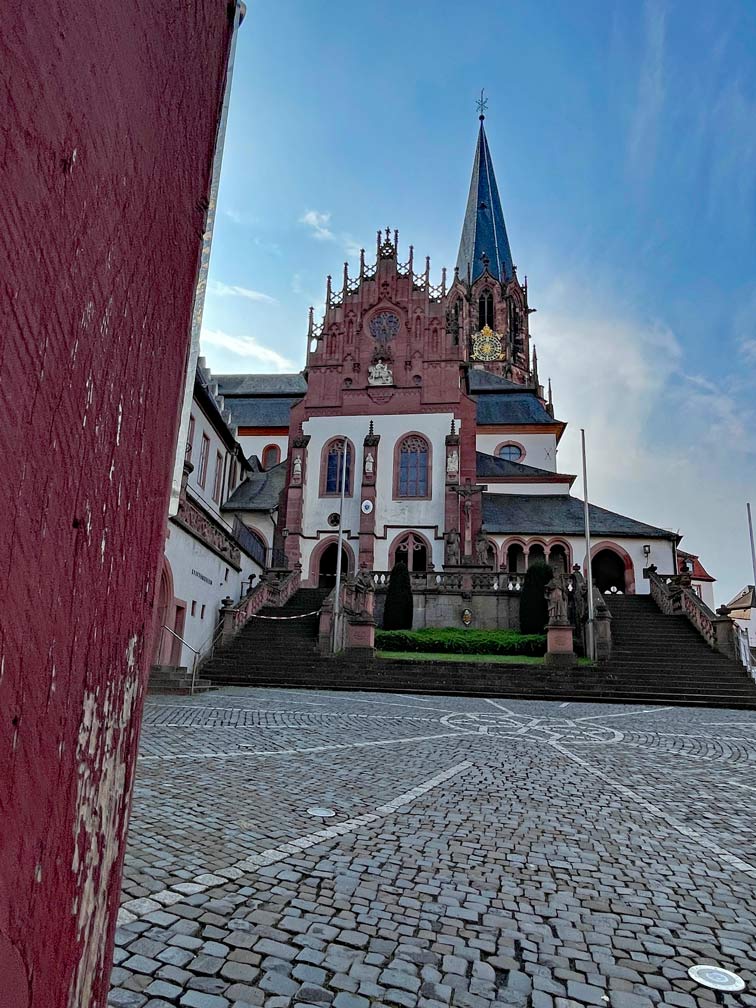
<point x="321" y="813"/>
<point x="716" y="978"/>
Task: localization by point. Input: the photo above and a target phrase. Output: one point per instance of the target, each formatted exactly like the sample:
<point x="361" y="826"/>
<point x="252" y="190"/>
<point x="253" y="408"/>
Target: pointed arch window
<point x="486" y="310"/>
<point x="413" y="467"/>
<point x="334" y="461"/>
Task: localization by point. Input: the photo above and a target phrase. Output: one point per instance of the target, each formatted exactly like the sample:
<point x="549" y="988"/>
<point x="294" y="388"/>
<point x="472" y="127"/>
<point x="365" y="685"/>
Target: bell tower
<point x="488" y="303"/>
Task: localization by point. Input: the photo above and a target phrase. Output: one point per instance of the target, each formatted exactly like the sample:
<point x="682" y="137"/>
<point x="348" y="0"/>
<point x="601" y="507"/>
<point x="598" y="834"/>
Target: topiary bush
<point x="534" y="608"/>
<point x="397" y="612"/>
<point x="449" y="640"/>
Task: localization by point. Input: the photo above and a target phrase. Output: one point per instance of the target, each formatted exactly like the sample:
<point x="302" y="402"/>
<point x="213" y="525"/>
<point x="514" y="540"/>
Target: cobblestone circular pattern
<point x="534" y="729"/>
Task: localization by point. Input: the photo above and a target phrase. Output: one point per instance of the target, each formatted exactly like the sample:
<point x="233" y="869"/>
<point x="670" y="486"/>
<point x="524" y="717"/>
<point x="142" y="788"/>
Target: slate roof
<point x="261" y="491"/>
<point x="559" y="514"/>
<point x="491" y="465"/>
<point x="262" y="411"/>
<point x="261" y="384"/>
<point x="479" y="380"/>
<point x="484" y="231"/>
<point x="511" y="408"/>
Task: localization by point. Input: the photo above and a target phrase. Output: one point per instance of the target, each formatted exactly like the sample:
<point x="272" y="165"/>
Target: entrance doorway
<point x="327" y="567"/>
<point x="609" y="571"/>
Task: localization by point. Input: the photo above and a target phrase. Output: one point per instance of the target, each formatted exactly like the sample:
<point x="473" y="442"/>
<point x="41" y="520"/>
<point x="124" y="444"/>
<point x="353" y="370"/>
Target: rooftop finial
<point x="482" y="104"/>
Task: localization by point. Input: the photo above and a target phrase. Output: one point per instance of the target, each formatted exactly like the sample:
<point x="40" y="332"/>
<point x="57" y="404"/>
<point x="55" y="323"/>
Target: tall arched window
<point x="486" y="310"/>
<point x="413" y="475"/>
<point x="334" y="457"/>
<point x="271" y="456"/>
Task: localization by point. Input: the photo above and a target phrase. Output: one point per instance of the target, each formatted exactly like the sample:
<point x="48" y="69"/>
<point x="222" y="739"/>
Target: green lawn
<point x="487" y="659"/>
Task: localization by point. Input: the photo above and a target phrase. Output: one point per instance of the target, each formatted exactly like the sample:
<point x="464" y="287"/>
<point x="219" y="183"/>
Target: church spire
<point x="484" y="232"/>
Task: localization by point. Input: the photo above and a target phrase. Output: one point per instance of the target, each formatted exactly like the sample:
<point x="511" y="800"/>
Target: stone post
<point x="228" y="622"/>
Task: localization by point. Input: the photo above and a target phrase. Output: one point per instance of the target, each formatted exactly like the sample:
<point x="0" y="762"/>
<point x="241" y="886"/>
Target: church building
<point x="425" y="400"/>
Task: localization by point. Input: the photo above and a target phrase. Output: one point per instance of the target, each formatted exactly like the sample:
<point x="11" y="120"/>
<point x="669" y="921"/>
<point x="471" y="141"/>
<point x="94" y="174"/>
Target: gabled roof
<point x="512" y="408"/>
<point x="480" y="380"/>
<point x="261" y="384"/>
<point x="699" y="573"/>
<point x="745" y="599"/>
<point x="261" y="491"/>
<point x="484" y="232"/>
<point x="491" y="466"/>
<point x="546" y="514"/>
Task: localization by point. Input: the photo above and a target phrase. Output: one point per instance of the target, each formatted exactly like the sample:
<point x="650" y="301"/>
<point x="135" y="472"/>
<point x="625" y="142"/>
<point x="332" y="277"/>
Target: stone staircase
<point x="663" y="659"/>
<point x="175" y="679"/>
<point x="657" y="659"/>
<point x="267" y="652"/>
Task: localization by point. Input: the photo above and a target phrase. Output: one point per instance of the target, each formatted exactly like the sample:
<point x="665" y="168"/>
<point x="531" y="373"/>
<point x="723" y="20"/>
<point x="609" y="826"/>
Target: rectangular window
<point x="232" y="476"/>
<point x="218" y="481"/>
<point x="204" y="455"/>
<point x="194" y="608"/>
<point x="202" y="612"/>
<point x="190" y="438"/>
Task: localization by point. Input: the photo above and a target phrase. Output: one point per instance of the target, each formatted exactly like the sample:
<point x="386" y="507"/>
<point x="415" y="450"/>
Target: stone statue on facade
<point x="380" y="374"/>
<point x="369" y="464"/>
<point x="296" y="468"/>
<point x="557" y="603"/>
<point x="481" y="549"/>
<point x="452" y="463"/>
<point x="452" y="548"/>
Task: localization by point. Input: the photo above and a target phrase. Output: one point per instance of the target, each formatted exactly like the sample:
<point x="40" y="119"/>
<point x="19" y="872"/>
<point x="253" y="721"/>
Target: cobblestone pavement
<point x="481" y="852"/>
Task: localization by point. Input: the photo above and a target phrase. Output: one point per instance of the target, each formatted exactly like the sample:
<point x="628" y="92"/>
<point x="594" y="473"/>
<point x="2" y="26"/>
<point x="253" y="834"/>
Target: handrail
<point x="179" y="637"/>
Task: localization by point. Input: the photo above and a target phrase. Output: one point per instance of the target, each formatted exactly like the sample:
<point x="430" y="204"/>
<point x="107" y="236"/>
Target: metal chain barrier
<point x="315" y="612"/>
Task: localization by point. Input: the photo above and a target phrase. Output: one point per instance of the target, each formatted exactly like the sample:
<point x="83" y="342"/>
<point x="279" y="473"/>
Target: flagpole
<point x="339" y="544"/>
<point x="588" y="564"/>
<point x="753" y="549"/>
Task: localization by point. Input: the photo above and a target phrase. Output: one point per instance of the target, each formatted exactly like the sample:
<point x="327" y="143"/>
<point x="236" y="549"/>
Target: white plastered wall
<point x="202" y="577"/>
<point x="392" y="517"/>
<point x="540" y="449"/>
<point x="255" y="444"/>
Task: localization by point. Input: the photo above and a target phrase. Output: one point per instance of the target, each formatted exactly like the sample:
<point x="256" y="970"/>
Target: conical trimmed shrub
<point x="534" y="608"/>
<point x="397" y="613"/>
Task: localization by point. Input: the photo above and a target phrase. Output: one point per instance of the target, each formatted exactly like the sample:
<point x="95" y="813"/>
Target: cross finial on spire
<point x="482" y="105"/>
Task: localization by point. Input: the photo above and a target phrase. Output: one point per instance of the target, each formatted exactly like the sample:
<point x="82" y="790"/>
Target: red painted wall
<point x="110" y="112"/>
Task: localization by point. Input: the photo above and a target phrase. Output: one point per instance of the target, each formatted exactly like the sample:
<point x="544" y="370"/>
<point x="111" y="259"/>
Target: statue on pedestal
<point x="557" y="604"/>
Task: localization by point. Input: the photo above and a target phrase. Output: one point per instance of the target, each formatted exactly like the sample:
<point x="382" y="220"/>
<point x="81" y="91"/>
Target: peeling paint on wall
<point x="99" y="289"/>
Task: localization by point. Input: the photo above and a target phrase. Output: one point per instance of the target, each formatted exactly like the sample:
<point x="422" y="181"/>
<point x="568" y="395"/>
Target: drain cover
<point x="716" y="978"/>
<point x="321" y="813"/>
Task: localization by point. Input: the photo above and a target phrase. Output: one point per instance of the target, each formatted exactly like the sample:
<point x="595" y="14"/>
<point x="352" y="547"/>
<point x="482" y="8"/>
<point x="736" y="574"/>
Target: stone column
<point x="366" y="557"/>
<point x="295" y="495"/>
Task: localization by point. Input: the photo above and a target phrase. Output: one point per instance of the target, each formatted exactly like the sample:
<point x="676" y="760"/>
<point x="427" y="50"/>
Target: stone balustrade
<point x="275" y="588"/>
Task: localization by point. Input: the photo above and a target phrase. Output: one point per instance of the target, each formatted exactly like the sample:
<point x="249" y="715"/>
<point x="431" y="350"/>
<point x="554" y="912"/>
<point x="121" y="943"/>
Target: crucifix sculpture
<point x="466" y="492"/>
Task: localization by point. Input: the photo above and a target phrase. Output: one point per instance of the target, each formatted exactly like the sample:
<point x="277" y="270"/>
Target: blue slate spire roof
<point x="484" y="232"/>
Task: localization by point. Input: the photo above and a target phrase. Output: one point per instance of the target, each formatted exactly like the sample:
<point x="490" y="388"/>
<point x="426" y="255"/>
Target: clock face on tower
<point x="486" y="345"/>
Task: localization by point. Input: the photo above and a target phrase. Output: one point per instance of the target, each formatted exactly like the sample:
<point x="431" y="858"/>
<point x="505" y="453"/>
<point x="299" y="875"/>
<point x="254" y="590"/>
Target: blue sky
<point x="624" y="141"/>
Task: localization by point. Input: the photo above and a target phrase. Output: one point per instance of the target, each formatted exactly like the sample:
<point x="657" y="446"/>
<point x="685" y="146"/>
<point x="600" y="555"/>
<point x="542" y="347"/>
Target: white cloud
<point x="247" y="347"/>
<point x="232" y="290"/>
<point x="318" y="222"/>
<point x="664" y="446"/>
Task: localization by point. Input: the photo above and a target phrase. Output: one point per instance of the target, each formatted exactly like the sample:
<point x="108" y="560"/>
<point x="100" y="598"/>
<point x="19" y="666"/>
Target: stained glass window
<point x="333" y="468"/>
<point x="413" y="467"/>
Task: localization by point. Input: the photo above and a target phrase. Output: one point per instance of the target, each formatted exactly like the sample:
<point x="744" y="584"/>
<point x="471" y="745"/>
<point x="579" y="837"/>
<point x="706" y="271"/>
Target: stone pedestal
<point x="559" y="649"/>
